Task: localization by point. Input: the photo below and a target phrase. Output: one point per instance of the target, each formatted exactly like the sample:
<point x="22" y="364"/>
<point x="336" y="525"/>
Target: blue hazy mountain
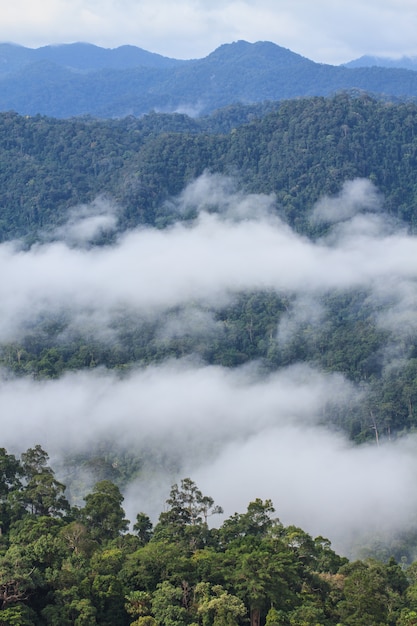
<point x="82" y="79"/>
<point x="405" y="63"/>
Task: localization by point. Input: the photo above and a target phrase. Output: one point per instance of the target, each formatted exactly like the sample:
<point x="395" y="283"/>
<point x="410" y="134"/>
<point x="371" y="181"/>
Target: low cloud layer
<point x="238" y="434"/>
<point x="244" y="246"/>
<point x="87" y="223"/>
<point x="319" y="482"/>
<point x="356" y="197"/>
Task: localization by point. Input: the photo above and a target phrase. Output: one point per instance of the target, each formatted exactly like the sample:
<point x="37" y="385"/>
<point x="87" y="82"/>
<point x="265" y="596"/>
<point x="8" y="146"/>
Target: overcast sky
<point x="328" y="31"/>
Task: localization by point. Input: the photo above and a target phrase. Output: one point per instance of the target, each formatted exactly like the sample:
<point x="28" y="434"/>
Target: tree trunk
<point x="255" y="617"/>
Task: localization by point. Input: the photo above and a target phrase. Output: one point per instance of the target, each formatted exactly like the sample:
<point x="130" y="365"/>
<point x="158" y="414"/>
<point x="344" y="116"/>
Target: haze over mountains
<point x="83" y="79"/>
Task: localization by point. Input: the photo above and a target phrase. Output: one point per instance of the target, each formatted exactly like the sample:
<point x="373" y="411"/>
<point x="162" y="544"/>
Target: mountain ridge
<point x="81" y="56"/>
<point x="82" y="79"/>
<point x="404" y="62"/>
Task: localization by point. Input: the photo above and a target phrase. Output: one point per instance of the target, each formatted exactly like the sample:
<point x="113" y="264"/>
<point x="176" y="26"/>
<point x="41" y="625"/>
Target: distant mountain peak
<point x="267" y="50"/>
<point x="404" y="62"/>
<point x="82" y="56"/>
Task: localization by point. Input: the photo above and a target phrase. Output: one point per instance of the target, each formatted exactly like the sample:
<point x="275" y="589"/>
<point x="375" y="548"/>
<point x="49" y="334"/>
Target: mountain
<point x="80" y="57"/>
<point x="80" y="79"/>
<point x="406" y="63"/>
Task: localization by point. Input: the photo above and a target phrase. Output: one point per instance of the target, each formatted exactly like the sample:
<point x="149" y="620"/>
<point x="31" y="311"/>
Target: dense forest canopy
<point x="302" y="151"/>
<point x="80" y="565"/>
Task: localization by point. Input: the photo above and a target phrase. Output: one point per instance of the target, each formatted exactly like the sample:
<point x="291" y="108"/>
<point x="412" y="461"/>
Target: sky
<point x="325" y="31"/>
<point x="238" y="433"/>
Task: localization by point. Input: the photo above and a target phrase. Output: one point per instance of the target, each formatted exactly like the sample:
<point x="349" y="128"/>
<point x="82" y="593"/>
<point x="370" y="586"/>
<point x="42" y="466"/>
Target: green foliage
<point x="145" y="620"/>
<point x="256" y="522"/>
<point x="42" y="494"/>
<point x="166" y="605"/>
<point x="366" y="594"/>
<point x="18" y="615"/>
<point x="303" y="150"/>
<point x="103" y="512"/>
<point x="57" y="572"/>
<point x="187" y="514"/>
<point x="219" y="608"/>
<point x="143" y="528"/>
<point x="273" y="618"/>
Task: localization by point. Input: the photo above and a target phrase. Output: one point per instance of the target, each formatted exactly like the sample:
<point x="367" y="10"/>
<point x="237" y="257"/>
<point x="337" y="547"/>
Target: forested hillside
<point x="304" y="150"/>
<point x="230" y="297"/>
<point x="300" y="153"/>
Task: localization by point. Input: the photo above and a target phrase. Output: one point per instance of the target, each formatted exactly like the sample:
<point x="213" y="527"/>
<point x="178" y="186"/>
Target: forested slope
<point x="301" y="152"/>
<point x="305" y="150"/>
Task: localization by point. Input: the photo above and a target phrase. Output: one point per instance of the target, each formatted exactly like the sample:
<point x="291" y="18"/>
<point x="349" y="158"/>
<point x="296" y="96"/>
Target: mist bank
<point x="236" y="243"/>
<point x="240" y="433"/>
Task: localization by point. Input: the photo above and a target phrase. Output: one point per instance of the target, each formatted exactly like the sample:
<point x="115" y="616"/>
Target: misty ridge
<point x="280" y="424"/>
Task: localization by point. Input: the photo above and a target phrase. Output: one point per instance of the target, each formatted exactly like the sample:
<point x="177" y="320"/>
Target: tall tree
<point x="187" y="515"/>
<point x="42" y="494"/>
<point x="103" y="514"/>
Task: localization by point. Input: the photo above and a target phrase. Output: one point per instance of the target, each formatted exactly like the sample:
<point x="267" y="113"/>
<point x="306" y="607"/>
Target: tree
<point x="218" y="607"/>
<point x="143" y="528"/>
<point x="263" y="573"/>
<point x="18" y="577"/>
<point x="158" y="561"/>
<point x="41" y="494"/>
<point x="103" y="513"/>
<point x="274" y="618"/>
<point x="77" y="539"/>
<point x="189" y="506"/>
<point x="138" y="603"/>
<point x="18" y="615"/>
<point x="11" y="473"/>
<point x="255" y="523"/>
<point x="365" y="593"/>
<point x="187" y="515"/>
<point x="167" y="605"/>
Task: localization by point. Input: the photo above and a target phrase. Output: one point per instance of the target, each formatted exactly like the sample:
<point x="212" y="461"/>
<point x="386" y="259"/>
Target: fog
<point x="244" y="246"/>
<point x="239" y="433"/>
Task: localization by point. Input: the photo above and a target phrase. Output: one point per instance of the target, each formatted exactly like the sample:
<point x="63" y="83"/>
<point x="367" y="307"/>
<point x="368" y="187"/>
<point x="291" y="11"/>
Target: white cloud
<point x="319" y="482"/>
<point x="243" y="246"/>
<point x="176" y="404"/>
<point x="261" y="435"/>
<point x="357" y="196"/>
<point x="238" y="434"/>
<point x="255" y="432"/>
<point x="86" y="223"/>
